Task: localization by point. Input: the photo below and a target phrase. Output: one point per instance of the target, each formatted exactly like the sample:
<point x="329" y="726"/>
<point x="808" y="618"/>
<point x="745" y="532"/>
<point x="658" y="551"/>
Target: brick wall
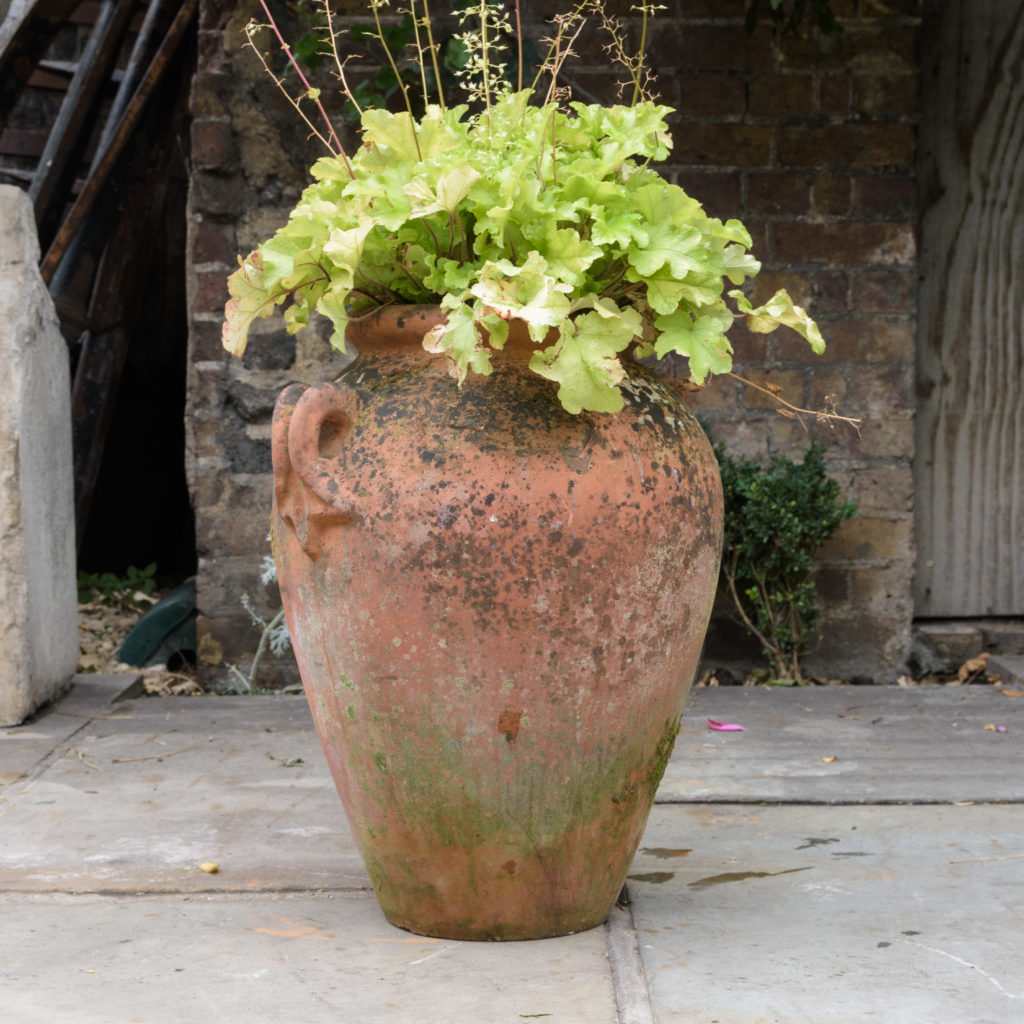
<point x="810" y="141"/>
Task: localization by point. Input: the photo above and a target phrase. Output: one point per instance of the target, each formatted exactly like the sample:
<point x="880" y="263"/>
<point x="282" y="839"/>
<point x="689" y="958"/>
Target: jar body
<point x="497" y="609"/>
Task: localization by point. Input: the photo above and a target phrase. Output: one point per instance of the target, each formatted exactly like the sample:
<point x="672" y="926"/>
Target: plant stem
<point x="819" y="414"/>
<point x="339" y="63"/>
<point x="519" y="49"/>
<point x="432" y="46"/>
<point x="309" y="89"/>
<point x="638" y="70"/>
<point x="398" y="78"/>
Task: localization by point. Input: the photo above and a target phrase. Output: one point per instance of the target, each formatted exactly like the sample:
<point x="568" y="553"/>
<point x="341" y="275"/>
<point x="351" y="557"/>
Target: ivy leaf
<point x="779" y="311"/>
<point x="584" y="361"/>
<point x="701" y="339"/>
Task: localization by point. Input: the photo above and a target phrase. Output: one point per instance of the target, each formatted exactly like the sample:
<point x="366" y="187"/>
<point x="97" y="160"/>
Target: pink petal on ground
<point x="725" y="726"/>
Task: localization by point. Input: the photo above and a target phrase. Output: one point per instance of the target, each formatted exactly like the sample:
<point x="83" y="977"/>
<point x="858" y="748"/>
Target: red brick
<point x="216" y="195"/>
<point x="884" y="291"/>
<point x="213" y="242"/>
<point x="886" y="94"/>
<point x="878" y="390"/>
<point x="711" y="94"/>
<point x="832" y="195"/>
<point x="835" y="95"/>
<point x="775" y="95"/>
<point x="211" y="291"/>
<point x="799" y="243"/>
<point x="821" y="292"/>
<point x="792" y="382"/>
<point x="885" y="197"/>
<point x="205" y="342"/>
<point x="881" y="49"/>
<point x="748" y="349"/>
<point x="735" y="9"/>
<point x="855" y="342"/>
<point x="720" y="396"/>
<point x="718" y="192"/>
<point x="827" y="390"/>
<point x="785" y="193"/>
<point x="846" y="145"/>
<point x="704" y="47"/>
<point x="723" y="144"/>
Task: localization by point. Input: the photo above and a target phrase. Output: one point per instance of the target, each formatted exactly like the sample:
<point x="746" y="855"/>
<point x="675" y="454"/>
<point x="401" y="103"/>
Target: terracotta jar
<point x="497" y="609"/>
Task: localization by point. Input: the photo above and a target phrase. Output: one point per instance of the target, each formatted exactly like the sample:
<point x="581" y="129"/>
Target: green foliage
<point x="128" y="591"/>
<point x="522" y="210"/>
<point x="776" y="516"/>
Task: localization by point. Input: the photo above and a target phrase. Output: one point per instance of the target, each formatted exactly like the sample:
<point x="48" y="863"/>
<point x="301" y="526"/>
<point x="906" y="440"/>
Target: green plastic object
<point x="166" y="630"/>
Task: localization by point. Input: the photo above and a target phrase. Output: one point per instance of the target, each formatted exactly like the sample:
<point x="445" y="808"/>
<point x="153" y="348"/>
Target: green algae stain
<point x="381" y="762"/>
<point x="347" y="682"/>
<point x="350" y="711"/>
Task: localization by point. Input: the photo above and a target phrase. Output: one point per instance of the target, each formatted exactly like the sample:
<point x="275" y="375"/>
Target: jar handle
<point x="310" y="431"/>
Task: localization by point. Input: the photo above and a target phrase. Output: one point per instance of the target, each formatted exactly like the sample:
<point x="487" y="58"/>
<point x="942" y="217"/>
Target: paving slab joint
<point x="629" y="978"/>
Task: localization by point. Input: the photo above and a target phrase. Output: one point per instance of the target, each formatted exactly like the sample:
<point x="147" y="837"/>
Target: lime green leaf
<point x="454" y="186"/>
<point x="345" y="247"/>
<point x="739" y="264"/>
<point x="676" y="247"/>
<point x="619" y="228"/>
<point x="779" y="311"/>
<point x="584" y="361"/>
<point x="459" y="340"/>
<point x="330" y="168"/>
<point x="250" y="298"/>
<point x="702" y="340"/>
<point x="525" y="293"/>
<point x="568" y="256"/>
<point x="333" y="304"/>
<point x="731" y="231"/>
<point x="394" y="132"/>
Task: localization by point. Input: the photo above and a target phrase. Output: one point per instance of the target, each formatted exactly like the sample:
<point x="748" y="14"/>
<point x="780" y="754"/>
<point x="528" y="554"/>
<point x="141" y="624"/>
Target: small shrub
<point x="776" y="517"/>
<point x="133" y="590"/>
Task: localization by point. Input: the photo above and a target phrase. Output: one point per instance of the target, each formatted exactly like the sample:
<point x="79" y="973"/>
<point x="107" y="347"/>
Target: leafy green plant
<point x="132" y="590"/>
<point x="776" y="517"/>
<point x="511" y="206"/>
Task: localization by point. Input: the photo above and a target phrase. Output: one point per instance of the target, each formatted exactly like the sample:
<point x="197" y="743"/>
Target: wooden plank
<point x="105" y="162"/>
<point x="64" y="148"/>
<point x="25" y="34"/>
<point x="969" y="468"/>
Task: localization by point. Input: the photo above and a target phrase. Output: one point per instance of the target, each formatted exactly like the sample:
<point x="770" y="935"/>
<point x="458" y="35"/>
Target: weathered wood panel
<point x="969" y="467"/>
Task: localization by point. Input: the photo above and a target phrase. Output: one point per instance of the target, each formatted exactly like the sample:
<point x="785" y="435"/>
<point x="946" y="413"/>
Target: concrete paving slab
<point x="890" y="744"/>
<point x="147" y="790"/>
<point x="832" y="915"/>
<point x="24" y="747"/>
<point x="1009" y="668"/>
<point x="279" y="959"/>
